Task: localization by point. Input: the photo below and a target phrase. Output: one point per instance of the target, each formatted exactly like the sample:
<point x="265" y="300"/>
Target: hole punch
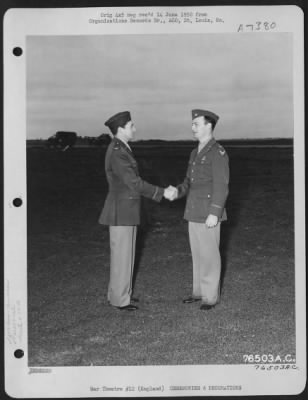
<point x="17" y="202"/>
<point x="17" y="51"/>
<point x="19" y="353"/>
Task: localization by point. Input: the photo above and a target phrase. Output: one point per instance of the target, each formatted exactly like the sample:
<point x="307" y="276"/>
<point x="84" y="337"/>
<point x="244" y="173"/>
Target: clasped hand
<point x="171" y="193"/>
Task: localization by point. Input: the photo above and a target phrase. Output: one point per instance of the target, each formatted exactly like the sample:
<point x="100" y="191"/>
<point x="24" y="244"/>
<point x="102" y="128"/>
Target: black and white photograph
<point x="154" y="180"/>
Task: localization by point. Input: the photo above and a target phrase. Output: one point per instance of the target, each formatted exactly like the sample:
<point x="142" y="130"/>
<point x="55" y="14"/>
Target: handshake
<point x="171" y="193"/>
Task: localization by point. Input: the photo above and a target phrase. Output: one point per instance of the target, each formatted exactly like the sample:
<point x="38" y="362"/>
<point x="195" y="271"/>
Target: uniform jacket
<point x="123" y="202"/>
<point x="206" y="183"/>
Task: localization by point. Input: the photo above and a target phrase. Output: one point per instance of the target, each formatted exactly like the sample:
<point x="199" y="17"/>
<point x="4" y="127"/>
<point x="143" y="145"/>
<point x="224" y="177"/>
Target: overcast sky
<point x="77" y="82"/>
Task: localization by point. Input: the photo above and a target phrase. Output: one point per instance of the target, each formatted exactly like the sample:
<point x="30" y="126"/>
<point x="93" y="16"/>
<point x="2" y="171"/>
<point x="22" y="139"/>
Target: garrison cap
<point x="119" y="119"/>
<point x="207" y="114"/>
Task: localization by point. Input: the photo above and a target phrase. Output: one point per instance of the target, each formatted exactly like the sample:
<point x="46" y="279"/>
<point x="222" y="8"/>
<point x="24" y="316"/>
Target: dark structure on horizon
<point x="62" y="140"/>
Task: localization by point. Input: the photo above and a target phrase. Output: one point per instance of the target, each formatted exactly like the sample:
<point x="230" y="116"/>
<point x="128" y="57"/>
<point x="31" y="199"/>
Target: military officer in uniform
<point x="121" y="211"/>
<point x="206" y="188"/>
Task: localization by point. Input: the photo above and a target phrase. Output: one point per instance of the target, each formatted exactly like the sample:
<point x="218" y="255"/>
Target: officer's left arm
<point x="220" y="165"/>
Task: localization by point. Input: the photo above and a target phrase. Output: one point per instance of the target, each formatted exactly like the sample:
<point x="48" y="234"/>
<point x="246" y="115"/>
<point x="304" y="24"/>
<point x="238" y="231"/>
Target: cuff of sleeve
<point x="181" y="192"/>
<point x="216" y="210"/>
<point x="158" y="194"/>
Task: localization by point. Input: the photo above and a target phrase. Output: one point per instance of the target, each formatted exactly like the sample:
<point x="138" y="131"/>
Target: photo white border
<point x="22" y="381"/>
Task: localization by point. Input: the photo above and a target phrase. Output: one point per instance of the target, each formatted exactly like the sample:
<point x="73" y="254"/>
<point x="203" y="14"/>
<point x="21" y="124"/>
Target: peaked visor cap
<point x="119" y="119"/>
<point x="205" y="113"/>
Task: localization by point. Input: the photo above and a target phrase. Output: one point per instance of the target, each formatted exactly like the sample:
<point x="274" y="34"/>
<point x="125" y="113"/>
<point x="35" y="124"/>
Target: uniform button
<point x="192" y="170"/>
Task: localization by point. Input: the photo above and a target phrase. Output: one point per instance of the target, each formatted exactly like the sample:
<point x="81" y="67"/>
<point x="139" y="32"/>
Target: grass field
<point x="70" y="322"/>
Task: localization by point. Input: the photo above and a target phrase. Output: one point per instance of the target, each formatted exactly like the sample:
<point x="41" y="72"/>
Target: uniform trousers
<point x="204" y="244"/>
<point x="122" y="258"/>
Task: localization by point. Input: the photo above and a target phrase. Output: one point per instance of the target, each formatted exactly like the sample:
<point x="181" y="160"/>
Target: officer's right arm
<point x="122" y="166"/>
<point x="183" y="188"/>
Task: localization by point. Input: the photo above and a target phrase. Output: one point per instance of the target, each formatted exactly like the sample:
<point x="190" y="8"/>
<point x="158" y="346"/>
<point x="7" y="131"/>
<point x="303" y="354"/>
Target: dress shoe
<point x="207" y="306"/>
<point x="129" y="307"/>
<point x="134" y="299"/>
<point x="191" y="299"/>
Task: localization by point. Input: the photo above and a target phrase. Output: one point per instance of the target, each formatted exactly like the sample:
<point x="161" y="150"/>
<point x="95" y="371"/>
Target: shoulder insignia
<point x="116" y="145"/>
<point x="221" y="150"/>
